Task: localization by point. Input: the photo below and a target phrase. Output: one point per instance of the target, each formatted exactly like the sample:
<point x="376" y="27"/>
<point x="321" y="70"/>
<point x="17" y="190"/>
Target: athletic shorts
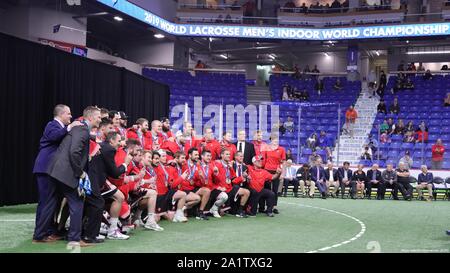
<point x="164" y="202"/>
<point x="108" y="190"/>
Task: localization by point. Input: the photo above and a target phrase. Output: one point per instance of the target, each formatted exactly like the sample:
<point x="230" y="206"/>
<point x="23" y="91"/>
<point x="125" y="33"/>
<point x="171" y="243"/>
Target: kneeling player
<point x="257" y="177"/>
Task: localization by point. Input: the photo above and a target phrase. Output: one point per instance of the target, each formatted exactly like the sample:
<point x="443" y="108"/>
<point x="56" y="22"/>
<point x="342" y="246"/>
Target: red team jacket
<point x="258" y="177"/>
<point x="220" y="178"/>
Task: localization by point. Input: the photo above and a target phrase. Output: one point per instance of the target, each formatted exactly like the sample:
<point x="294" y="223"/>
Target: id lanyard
<point x="191" y="171"/>
<point x="227" y="170"/>
<point x="166" y="175"/>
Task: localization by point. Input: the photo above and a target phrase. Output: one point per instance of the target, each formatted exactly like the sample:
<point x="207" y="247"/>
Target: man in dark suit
<point x="374" y="180"/>
<point x="101" y="165"/>
<point x="345" y="179"/>
<point x="53" y="134"/>
<point x="245" y="147"/>
<point x="332" y="178"/>
<point x="68" y="166"/>
<point x="240" y="168"/>
<point x="318" y="176"/>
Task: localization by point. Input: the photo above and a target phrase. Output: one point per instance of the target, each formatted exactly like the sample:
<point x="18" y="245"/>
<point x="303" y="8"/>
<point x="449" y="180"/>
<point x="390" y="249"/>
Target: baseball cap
<point x="257" y="158"/>
<point x="178" y="133"/>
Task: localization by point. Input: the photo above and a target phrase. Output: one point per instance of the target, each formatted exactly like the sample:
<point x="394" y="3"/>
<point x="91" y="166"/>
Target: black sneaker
<point x="270" y="214"/>
<point x="276" y="211"/>
<point x="261" y="211"/>
<point x="202" y="216"/>
<point x="241" y="215"/>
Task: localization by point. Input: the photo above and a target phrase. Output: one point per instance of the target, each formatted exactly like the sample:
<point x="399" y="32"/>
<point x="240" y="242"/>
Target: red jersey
<point x="225" y="173"/>
<point x="230" y="147"/>
<point x="208" y="175"/>
<point x="213" y="146"/>
<point x="193" y="179"/>
<point x="145" y="139"/>
<point x="274" y="158"/>
<point x="258" y="177"/>
<point x="166" y="135"/>
<point x="171" y="148"/>
<point x="259" y="147"/>
<point x="119" y="158"/>
<point x="162" y="179"/>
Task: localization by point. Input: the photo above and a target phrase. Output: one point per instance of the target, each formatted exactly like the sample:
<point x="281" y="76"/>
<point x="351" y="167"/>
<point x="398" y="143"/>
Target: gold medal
<point x="228" y="181"/>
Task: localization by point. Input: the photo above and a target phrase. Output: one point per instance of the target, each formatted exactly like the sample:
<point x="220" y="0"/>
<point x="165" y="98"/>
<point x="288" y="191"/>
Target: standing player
<point x="227" y="145"/>
<point x="274" y="157"/>
<point x="210" y="144"/>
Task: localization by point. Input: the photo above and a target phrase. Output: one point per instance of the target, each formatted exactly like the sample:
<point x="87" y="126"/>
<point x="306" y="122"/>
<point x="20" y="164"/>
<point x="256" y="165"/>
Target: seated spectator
<point x="409" y="137"/>
<point x="401" y="66"/>
<point x="289" y="125"/>
<point x="235" y="5"/>
<point x="228" y="19"/>
<point x="338" y="85"/>
<point x="372" y="143"/>
<point x="296" y="74"/>
<point x="422" y="132"/>
<point x="384" y="127"/>
<point x="437" y="155"/>
<point x="367" y="153"/>
<point x="410" y="127"/>
<point x="399" y="128"/>
<point x="381" y="108"/>
<point x="409" y="85"/>
<point x="289" y="6"/>
<point x="289" y="155"/>
<point x="219" y="19"/>
<point x="303" y="8"/>
<point x="312" y="141"/>
<point x="200" y="64"/>
<point x="280" y="127"/>
<point x="359" y="178"/>
<point x="447" y="100"/>
<point x="397" y="87"/>
<point x="421" y="67"/>
<point x="374" y="180"/>
<point x="290" y="177"/>
<point x="425" y="180"/>
<point x="391" y="125"/>
<point x="384" y="138"/>
<point x="345" y="6"/>
<point x="323" y="140"/>
<point x="312" y="158"/>
<point x="332" y="179"/>
<point x="304" y="178"/>
<point x="428" y="75"/>
<point x="304" y="95"/>
<point x="407" y="160"/>
<point x="335" y="6"/>
<point x="411" y="67"/>
<point x="403" y="179"/>
<point x="394" y="108"/>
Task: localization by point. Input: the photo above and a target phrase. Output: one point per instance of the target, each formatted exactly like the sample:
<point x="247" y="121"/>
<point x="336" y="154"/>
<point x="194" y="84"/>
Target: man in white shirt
<point x="247" y="148"/>
<point x="332" y="178"/>
<point x="290" y="178"/>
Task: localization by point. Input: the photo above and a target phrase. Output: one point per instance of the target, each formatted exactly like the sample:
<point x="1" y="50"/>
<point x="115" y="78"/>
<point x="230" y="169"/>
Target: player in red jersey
<point x="166" y="132"/>
<point x="209" y="143"/>
<point x="165" y="183"/>
<point x="217" y="197"/>
<point x="226" y="144"/>
<point x="171" y="147"/>
<point x="225" y="178"/>
<point x="140" y="132"/>
<point x="258" y="143"/>
<point x="201" y="188"/>
<point x="257" y="178"/>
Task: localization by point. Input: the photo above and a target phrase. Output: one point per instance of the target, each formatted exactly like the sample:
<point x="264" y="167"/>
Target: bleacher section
<point x="214" y="88"/>
<point x="316" y="117"/>
<point x="425" y="103"/>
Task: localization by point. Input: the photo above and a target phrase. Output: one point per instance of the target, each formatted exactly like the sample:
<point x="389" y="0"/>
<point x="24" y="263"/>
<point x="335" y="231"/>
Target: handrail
<point x="218" y="70"/>
<point x="420" y="72"/>
<point x="309" y="73"/>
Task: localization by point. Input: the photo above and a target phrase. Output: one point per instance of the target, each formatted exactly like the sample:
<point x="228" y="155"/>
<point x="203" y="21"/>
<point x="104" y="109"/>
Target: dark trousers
<point x="405" y="188"/>
<point x="275" y="184"/>
<point x="352" y="185"/>
<point x="369" y="185"/>
<point x="93" y="205"/>
<point x="288" y="182"/>
<point x="322" y="186"/>
<point x="45" y="211"/>
<point x="265" y="196"/>
<point x="75" y="203"/>
<point x="386" y="185"/>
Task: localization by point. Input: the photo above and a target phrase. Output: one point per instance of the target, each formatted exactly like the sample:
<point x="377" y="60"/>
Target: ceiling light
<point x="407" y="41"/>
<point x="428" y="52"/>
<point x="159" y="36"/>
<point x="118" y="18"/>
<point x="378" y="53"/>
<point x="327" y="55"/>
<point x="224" y="56"/>
<point x="273" y="57"/>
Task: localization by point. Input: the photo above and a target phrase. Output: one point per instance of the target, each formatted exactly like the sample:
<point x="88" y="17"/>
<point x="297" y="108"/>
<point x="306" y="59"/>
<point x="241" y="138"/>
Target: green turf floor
<point x="391" y="226"/>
